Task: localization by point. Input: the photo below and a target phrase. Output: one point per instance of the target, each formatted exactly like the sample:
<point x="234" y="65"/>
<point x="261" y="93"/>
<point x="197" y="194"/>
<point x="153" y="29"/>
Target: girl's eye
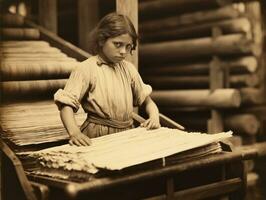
<point x="117" y="44"/>
<point x="129" y="47"/>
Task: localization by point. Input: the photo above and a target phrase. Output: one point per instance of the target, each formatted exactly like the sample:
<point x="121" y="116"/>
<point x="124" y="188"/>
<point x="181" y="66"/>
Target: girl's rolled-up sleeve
<point x="74" y="89"/>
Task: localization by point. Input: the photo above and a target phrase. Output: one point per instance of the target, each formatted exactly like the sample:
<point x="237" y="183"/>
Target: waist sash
<point x="109" y="122"/>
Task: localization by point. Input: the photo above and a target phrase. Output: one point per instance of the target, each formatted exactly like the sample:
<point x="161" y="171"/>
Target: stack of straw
<point x="126" y="149"/>
<point x="33" y="122"/>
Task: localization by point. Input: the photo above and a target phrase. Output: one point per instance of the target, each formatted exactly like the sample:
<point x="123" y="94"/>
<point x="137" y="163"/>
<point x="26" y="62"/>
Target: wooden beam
<point x="191" y="19"/>
<point x="130" y="8"/>
<point x="189" y="82"/>
<point x="58" y="42"/>
<point x="220" y="98"/>
<point x="48" y="14"/>
<point x="152" y="8"/>
<point x="253" y="10"/>
<point x="238" y="25"/>
<point x="88" y="17"/>
<point x="210" y="190"/>
<point x="12" y="168"/>
<point x="241" y="65"/>
<point x="174" y="50"/>
<point x="259" y="147"/>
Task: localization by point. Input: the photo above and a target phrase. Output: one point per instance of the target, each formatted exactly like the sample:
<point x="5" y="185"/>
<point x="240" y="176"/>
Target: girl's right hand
<point x="79" y="139"/>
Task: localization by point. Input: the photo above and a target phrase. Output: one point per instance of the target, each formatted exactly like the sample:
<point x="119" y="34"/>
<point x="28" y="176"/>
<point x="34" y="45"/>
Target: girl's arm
<point x="153" y="121"/>
<point x="68" y="119"/>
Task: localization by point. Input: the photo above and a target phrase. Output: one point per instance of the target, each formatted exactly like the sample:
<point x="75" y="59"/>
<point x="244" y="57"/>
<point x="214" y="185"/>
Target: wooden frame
<point x="14" y="181"/>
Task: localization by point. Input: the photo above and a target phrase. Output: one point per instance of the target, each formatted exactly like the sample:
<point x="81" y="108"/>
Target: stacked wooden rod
<point x="203" y="59"/>
<point x="176" y="58"/>
<point x="31" y="72"/>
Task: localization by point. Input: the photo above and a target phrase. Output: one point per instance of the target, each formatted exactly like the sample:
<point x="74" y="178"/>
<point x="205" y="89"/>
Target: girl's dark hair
<point x="112" y="25"/>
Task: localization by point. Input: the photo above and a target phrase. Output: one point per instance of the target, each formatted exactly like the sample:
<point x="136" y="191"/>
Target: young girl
<point x="106" y="85"/>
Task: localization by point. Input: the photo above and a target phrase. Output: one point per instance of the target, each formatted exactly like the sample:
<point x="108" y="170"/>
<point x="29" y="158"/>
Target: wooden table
<point x="217" y="175"/>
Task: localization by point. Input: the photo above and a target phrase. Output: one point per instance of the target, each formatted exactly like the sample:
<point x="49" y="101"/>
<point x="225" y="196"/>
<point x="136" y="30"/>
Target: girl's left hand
<point x="151" y="123"/>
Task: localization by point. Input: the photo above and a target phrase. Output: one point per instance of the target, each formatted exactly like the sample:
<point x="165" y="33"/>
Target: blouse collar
<point x="101" y="62"/>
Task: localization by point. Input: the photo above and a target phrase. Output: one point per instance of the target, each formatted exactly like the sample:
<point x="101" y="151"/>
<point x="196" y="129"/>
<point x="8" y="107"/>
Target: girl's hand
<point x="79" y="139"/>
<point x="151" y="123"/>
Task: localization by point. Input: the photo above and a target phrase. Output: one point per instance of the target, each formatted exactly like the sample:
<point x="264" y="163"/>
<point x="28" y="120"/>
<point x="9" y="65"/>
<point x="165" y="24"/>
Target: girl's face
<point x="115" y="49"/>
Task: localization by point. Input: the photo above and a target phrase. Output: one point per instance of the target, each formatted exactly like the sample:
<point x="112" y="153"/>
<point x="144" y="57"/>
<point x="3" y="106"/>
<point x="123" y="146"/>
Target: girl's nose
<point x="123" y="50"/>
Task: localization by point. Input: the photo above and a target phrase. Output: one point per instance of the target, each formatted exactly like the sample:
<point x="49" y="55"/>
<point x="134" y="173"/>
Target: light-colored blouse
<point x="106" y="92"/>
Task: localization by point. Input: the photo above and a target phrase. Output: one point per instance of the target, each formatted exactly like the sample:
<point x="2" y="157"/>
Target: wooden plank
<point x="210" y="190"/>
<point x="48" y="14"/>
<point x="130" y="8"/>
<point x="16" y="170"/>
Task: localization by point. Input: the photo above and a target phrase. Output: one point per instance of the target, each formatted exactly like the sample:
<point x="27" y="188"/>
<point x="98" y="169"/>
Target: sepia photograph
<point x="132" y="100"/>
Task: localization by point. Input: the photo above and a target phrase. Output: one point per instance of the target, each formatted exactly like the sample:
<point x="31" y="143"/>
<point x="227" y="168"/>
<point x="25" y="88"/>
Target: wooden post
<point x="1" y="171"/>
<point x="130" y="8"/>
<point x="170" y="188"/>
<point x="88" y="17"/>
<point x="215" y="124"/>
<point x="253" y="10"/>
<point x="48" y="14"/>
